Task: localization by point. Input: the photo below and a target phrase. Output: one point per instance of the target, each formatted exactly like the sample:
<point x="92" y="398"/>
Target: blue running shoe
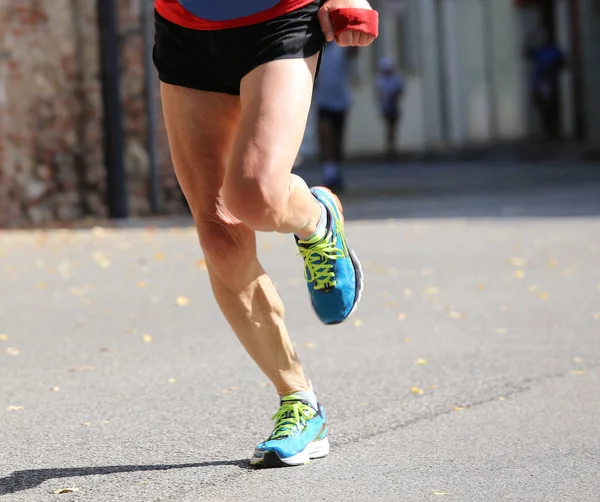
<point x="332" y="270"/>
<point x="300" y="434"/>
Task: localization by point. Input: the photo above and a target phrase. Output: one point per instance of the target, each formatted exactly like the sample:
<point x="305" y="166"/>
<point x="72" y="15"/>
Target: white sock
<point x="311" y="397"/>
<point x="321" y="229"/>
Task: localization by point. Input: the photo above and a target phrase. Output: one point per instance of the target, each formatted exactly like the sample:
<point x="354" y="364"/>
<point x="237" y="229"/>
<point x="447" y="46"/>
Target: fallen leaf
<point x="501" y="331"/>
<point x="101" y="259"/>
<point x="309" y="345"/>
<point x="80" y="369"/>
<point x="228" y="390"/>
<point x="86" y="424"/>
<point x="358" y="323"/>
<point x="430" y="291"/>
<point x="3" y="337"/>
<point x="533" y="288"/>
<point x="597" y="316"/>
<point x="455" y="315"/>
<point x="142" y="284"/>
<point x="201" y="264"/>
<point x="433" y="386"/>
<point x="552" y="263"/>
<point x="417" y="391"/>
<point x="363" y="403"/>
<point x="520" y="274"/>
<point x="542" y="295"/>
<point x="104" y="422"/>
<point x="147" y="338"/>
<point x="577" y="359"/>
<point x="518" y="262"/>
<point x="501" y="398"/>
<point x="40" y="286"/>
<point x="421" y="362"/>
<point x="159" y="256"/>
<point x="458" y="408"/>
<point x="172" y="380"/>
<point x="62" y="491"/>
<point x="406" y="339"/>
<point x="15" y="408"/>
<point x="55" y="389"/>
<point x="481" y="287"/>
<point x="408" y="292"/>
<point x="435" y="492"/>
<point x="391" y="305"/>
<point x="11" y="351"/>
<point x="578" y="372"/>
<point x="568" y="271"/>
<point x="98" y="232"/>
<point x="182" y="301"/>
<point x="401" y="316"/>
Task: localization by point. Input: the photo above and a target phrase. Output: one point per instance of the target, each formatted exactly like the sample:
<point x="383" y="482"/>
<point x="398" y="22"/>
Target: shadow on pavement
<point x="26" y="480"/>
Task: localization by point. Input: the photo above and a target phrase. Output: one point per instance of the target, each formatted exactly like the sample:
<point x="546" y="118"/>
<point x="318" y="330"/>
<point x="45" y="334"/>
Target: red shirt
<point x="176" y="13"/>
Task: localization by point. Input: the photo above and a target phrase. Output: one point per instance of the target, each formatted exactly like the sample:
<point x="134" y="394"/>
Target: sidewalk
<point x="368" y="179"/>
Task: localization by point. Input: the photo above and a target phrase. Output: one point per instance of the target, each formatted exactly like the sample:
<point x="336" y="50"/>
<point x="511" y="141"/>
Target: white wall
<point x="480" y="68"/>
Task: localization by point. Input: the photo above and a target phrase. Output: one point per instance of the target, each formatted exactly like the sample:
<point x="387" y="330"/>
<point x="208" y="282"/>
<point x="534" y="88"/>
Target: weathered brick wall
<point x="51" y="158"/>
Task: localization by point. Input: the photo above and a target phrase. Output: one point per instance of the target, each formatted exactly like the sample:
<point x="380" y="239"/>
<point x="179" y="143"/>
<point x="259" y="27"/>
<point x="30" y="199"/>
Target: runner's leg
<point x="201" y="128"/>
<point x="259" y="187"/>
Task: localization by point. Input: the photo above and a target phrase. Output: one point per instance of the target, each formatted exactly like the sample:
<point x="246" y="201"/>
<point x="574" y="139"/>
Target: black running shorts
<point x="217" y="60"/>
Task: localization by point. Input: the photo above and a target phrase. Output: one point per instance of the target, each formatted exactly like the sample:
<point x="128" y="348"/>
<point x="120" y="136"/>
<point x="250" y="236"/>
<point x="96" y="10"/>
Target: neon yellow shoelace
<point x="291" y="417"/>
<point x="319" y="258"/>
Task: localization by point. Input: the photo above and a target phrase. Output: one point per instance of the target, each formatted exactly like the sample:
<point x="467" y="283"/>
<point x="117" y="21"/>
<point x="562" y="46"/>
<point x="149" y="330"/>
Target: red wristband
<point x="364" y="20"/>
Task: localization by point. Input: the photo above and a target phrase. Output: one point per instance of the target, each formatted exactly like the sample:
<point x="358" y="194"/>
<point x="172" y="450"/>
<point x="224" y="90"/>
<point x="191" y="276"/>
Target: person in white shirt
<point x="390" y="88"/>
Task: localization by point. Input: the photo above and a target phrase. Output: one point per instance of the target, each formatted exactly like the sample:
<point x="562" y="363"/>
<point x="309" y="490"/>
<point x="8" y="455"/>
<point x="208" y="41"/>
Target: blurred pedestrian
<point x="333" y="98"/>
<point x="547" y="61"/>
<point x="390" y="89"/>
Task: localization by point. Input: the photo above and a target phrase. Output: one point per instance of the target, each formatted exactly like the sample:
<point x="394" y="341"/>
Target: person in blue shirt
<point x="547" y="61"/>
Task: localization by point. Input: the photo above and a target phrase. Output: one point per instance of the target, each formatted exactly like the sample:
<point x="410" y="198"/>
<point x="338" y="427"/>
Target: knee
<point x="258" y="201"/>
<point x="229" y="247"/>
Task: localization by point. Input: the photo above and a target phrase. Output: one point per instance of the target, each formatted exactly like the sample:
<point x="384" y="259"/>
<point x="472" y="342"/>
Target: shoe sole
<point x="314" y="450"/>
<point x="358" y="270"/>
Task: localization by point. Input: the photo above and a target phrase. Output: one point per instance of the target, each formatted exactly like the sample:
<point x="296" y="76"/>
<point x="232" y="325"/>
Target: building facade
<point x="462" y="60"/>
<point x="467" y="81"/>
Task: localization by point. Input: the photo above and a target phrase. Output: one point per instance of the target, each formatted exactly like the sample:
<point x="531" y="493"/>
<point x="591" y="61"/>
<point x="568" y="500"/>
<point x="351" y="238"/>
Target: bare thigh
<point x="201" y="127"/>
<point x="275" y="102"/>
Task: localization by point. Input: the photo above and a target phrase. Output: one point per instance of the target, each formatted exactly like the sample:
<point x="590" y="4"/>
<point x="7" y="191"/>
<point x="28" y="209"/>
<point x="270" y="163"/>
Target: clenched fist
<point x="350" y="36"/>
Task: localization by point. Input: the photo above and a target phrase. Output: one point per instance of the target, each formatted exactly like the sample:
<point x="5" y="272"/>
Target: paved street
<point x="469" y="373"/>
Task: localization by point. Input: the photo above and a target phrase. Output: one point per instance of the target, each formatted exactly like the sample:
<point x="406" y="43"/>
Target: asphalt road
<point x="469" y="373"/>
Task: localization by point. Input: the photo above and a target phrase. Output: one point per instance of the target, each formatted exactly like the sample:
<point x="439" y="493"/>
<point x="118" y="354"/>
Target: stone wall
<point x="51" y="131"/>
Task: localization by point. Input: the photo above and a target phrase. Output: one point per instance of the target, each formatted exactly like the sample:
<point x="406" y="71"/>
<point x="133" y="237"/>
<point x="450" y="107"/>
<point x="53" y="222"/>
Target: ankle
<point x="318" y="225"/>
